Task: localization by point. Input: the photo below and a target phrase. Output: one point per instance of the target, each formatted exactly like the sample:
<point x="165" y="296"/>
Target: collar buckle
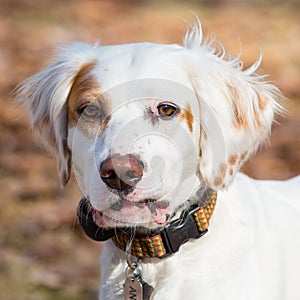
<point x="180" y="231"/>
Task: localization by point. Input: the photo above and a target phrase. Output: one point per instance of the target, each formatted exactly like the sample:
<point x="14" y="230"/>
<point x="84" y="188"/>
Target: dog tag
<point x="136" y="289"/>
<point x="133" y="289"/>
<point x="147" y="291"/>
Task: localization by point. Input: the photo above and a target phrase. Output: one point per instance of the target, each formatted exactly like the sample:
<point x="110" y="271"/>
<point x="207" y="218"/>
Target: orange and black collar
<point x="192" y="224"/>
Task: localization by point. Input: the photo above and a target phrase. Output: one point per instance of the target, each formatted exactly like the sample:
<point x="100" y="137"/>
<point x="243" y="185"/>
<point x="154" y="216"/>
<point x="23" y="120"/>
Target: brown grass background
<point x="43" y="253"/>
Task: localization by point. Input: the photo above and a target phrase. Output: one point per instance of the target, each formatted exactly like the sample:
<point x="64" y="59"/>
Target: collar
<point x="160" y="243"/>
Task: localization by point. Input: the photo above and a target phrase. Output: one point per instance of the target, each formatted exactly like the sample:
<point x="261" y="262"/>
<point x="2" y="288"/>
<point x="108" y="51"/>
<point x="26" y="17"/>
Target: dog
<point x="156" y="135"/>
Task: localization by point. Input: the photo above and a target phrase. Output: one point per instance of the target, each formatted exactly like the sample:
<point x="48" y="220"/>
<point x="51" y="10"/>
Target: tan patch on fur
<point x="200" y="153"/>
<point x="233" y="159"/>
<point x="240" y="118"/>
<point x="83" y="87"/>
<point x="262" y="102"/>
<point x="187" y="115"/>
<point x="231" y="172"/>
<point x="223" y="168"/>
<point x="243" y="155"/>
<point x="205" y="138"/>
<point x="86" y="90"/>
<point x="218" y="180"/>
<point x="257" y="119"/>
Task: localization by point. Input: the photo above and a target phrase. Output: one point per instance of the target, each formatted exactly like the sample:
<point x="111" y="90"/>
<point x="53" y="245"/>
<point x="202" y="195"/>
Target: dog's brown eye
<point x="166" y="110"/>
<point x="89" y="111"/>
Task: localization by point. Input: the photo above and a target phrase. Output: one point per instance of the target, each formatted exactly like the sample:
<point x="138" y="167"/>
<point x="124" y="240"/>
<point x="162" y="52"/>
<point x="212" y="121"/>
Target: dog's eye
<point x="167" y="110"/>
<point x="89" y="111"/>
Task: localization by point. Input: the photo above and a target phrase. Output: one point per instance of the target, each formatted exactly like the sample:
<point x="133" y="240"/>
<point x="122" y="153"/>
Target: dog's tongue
<point x="159" y="211"/>
<point x="159" y="217"/>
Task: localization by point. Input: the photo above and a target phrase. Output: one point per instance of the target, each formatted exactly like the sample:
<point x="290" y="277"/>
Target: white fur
<point x="252" y="248"/>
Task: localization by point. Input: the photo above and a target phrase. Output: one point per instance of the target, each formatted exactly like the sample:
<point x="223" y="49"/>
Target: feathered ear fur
<point x="45" y="96"/>
<point x="237" y="109"/>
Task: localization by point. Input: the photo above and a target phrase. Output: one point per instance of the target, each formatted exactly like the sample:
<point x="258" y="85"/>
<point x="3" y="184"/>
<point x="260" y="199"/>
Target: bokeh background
<point x="43" y="252"/>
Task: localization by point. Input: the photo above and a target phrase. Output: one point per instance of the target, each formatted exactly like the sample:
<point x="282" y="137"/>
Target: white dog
<point x="156" y="133"/>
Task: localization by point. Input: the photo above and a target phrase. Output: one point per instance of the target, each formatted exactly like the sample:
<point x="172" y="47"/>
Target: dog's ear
<point x="237" y="109"/>
<point x="45" y="96"/>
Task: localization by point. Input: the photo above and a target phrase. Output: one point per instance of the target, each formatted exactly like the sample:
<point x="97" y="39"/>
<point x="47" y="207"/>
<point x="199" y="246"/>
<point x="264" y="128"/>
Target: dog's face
<point x="134" y="133"/>
<point x="147" y="125"/>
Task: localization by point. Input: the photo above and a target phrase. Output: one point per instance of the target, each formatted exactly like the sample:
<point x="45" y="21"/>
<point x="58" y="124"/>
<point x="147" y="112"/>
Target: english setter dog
<point x="156" y="135"/>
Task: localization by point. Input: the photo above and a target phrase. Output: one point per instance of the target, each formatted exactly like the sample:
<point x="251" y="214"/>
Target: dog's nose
<point x="121" y="172"/>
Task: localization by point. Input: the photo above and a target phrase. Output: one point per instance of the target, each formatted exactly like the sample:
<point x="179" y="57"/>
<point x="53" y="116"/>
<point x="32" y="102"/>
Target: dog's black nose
<point x="121" y="172"/>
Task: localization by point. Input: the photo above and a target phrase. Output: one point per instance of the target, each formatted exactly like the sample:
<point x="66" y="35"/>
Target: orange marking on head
<point x="200" y="153"/>
<point x="240" y="117"/>
<point x="218" y="180"/>
<point x="262" y="102"/>
<point x="85" y="90"/>
<point x="233" y="159"/>
<point x="84" y="84"/>
<point x="257" y="119"/>
<point x="187" y="115"/>
<point x="223" y="168"/>
<point x="243" y="155"/>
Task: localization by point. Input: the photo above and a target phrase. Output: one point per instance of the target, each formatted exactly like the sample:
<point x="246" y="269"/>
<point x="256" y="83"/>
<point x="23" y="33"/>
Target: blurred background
<point x="43" y="252"/>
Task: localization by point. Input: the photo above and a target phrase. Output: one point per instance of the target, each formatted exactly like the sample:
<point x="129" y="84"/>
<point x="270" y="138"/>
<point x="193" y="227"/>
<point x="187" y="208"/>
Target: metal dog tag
<point x="136" y="289"/>
<point x="133" y="289"/>
<point x="147" y="291"/>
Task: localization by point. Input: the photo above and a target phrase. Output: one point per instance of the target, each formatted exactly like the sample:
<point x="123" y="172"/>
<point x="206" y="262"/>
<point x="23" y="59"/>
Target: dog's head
<point x="146" y="125"/>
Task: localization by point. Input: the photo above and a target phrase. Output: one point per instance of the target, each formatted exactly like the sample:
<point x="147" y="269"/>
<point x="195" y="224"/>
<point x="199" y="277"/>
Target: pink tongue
<point x="160" y="216"/>
<point x="98" y="218"/>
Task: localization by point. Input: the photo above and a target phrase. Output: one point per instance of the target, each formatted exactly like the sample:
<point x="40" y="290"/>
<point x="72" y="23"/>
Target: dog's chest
<point x="189" y="274"/>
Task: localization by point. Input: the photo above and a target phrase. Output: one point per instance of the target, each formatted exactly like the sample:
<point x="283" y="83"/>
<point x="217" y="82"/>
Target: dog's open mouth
<point x="123" y="212"/>
<point x="100" y="227"/>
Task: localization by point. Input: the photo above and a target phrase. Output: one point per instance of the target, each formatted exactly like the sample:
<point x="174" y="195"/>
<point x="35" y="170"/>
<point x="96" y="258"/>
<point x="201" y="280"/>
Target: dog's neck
<point x="188" y="222"/>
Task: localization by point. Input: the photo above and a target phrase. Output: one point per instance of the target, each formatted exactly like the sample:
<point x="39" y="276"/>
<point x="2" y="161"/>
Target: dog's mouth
<point x="100" y="226"/>
<point x="154" y="216"/>
<point x="128" y="213"/>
